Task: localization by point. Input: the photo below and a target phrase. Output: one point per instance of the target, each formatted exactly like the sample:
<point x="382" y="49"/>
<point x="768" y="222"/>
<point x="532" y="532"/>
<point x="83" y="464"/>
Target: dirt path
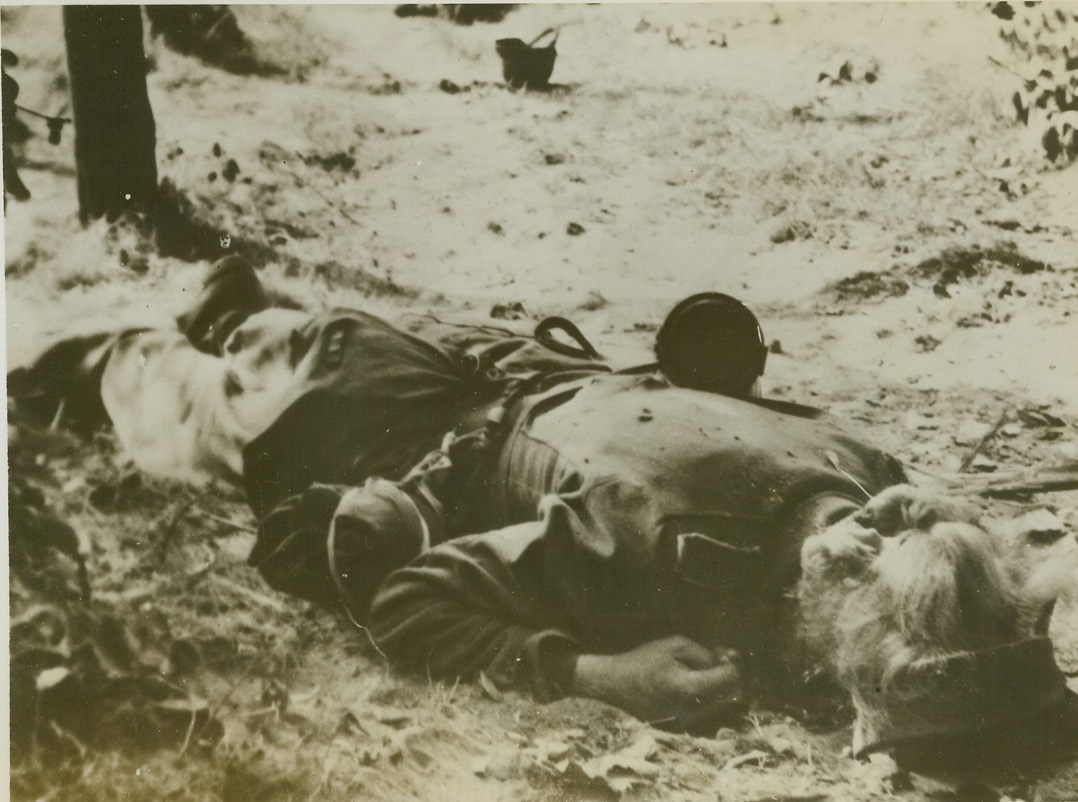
<point x="684" y="149"/>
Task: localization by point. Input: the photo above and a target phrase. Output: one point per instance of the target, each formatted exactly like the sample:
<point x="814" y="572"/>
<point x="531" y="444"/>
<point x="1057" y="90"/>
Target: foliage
<point x="1046" y="38"/>
<point x="86" y="674"/>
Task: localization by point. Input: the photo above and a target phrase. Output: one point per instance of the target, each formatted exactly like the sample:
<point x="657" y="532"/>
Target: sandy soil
<point x="694" y="149"/>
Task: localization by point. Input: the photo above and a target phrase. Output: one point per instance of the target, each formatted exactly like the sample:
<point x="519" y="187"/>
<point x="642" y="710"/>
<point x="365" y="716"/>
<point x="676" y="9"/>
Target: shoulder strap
<point x="544" y="333"/>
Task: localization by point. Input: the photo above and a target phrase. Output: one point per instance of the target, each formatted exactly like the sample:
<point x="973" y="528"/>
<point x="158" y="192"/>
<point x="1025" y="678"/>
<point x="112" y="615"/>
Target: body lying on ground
<point x="483" y="504"/>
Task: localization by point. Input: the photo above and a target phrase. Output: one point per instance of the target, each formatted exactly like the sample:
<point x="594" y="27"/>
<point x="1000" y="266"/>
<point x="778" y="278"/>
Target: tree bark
<point x="114" y="127"/>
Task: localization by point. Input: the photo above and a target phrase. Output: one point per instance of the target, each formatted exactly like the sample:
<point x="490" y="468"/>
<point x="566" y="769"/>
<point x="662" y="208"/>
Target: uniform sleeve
<point x="475" y="604"/>
<point x="290" y="552"/>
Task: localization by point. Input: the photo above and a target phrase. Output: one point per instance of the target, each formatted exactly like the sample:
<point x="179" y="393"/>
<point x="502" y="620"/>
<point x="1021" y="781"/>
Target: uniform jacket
<point x="660" y="511"/>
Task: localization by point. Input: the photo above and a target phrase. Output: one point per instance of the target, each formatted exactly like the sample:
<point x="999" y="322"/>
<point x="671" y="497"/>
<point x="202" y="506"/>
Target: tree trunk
<point x="114" y="129"/>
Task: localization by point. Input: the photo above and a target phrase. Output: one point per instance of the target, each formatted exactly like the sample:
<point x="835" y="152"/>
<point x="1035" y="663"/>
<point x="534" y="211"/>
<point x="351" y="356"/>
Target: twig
<point x="1003" y="66"/>
<point x="658" y="722"/>
<point x="190" y="731"/>
<point x="59" y="416"/>
<point x="248" y="593"/>
<point x="227" y="521"/>
<point x="322" y="195"/>
<point x="255" y="661"/>
<point x="217" y="24"/>
<point x="170" y="530"/>
<point x="1034" y="484"/>
<point x="968" y="461"/>
<point x="365" y="631"/>
<point x="755" y="719"/>
<point x="940" y="477"/>
<point x="42" y="116"/>
<point x="1024" y="482"/>
<point x="328" y="766"/>
<point x="212" y="712"/>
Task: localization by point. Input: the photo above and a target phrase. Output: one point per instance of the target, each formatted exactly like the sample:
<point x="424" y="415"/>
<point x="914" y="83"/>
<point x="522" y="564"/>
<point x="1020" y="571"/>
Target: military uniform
<point x="660" y="511"/>
<point x="617" y="508"/>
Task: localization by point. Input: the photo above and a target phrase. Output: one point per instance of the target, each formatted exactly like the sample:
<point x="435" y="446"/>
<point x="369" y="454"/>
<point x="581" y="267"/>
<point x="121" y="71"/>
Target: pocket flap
<point x="709" y="563"/>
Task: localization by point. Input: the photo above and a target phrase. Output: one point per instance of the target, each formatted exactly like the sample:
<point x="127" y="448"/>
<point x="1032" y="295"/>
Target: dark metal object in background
<point x="525" y="65"/>
<point x="114" y="127"/>
<point x="712" y="342"/>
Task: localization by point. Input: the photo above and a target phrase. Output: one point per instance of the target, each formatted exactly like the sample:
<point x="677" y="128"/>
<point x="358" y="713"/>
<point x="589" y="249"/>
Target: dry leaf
<point x="51" y="677"/>
<point x="756" y="755"/>
<point x="488" y="687"/>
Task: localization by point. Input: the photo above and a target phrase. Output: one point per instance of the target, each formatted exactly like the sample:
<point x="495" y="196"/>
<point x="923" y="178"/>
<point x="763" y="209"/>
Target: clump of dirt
<point x="513" y="310"/>
<point x="335" y="275"/>
<point x="939" y="272"/>
<point x="334" y="161"/>
<point x="868" y="73"/>
<point x="956" y="263"/>
<point x="788" y="232"/>
<point x="866" y="285"/>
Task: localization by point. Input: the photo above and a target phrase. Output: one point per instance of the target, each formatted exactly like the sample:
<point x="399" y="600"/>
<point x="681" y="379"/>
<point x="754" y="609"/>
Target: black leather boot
<point x="231" y="292"/>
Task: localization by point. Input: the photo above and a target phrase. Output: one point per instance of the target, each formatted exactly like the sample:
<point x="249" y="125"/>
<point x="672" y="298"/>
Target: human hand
<point x="843" y="549"/>
<point x="674" y="682"/>
<point x="904" y="507"/>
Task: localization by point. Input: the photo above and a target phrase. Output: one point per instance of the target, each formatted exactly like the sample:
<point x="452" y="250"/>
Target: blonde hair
<point x="923" y="616"/>
<point x="931" y="594"/>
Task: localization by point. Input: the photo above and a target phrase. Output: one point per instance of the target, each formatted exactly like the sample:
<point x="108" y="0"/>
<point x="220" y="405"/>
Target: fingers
<point x="707" y="694"/>
<point x="719" y="684"/>
<point x="866" y="543"/>
<point x="844" y="549"/>
<point x="927" y="510"/>
<point x="674" y="682"/>
<point x="701" y="670"/>
<point x="887" y="511"/>
<point x="691" y="654"/>
<point x="904" y="507"/>
<point x="724" y="655"/>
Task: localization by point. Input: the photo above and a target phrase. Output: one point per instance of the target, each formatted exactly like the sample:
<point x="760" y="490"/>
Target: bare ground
<point x="901" y="240"/>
